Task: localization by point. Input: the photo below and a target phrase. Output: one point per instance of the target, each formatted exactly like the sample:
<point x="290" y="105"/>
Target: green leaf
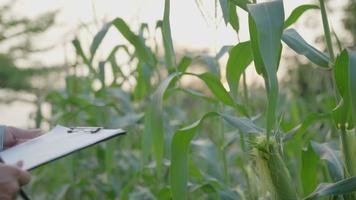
<point x="229" y="14"/>
<point x="245" y="125"/>
<point x="80" y="52"/>
<point x="309" y="120"/>
<point x="193" y="93"/>
<point x="112" y="59"/>
<point x="332" y="159"/>
<point x="217" y="88"/>
<point x="98" y="38"/>
<point x="345" y="74"/>
<point x="102" y="73"/>
<point x="240" y="57"/>
<point x="341" y="74"/>
<point x="167" y="38"/>
<point x="257" y="58"/>
<point x="144" y="28"/>
<point x="179" y="158"/>
<point x="233" y="17"/>
<point x="219" y="91"/>
<point x="213" y="187"/>
<point x="225" y="10"/>
<point x="184" y="63"/>
<point x="333" y="189"/>
<point x="309" y="169"/>
<point x="154" y="123"/>
<point x="143" y="85"/>
<point x="352" y="79"/>
<point x="143" y="52"/>
<point x="222" y="52"/>
<point x="212" y="63"/>
<point x="268" y="19"/>
<point x="241" y="3"/>
<point x="300" y="46"/>
<point x="180" y="150"/>
<point x="297" y="12"/>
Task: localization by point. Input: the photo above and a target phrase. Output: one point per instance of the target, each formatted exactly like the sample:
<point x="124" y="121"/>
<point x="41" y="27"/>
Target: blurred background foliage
<point x="17" y="38"/>
<point x="115" y="169"/>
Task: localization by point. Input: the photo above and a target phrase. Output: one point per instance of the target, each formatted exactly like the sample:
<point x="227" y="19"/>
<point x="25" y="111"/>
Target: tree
<point x="17" y="43"/>
<point x="18" y="35"/>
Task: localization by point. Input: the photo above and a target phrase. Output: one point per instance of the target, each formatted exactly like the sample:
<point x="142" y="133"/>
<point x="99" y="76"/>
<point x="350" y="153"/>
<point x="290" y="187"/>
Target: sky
<point x="189" y="30"/>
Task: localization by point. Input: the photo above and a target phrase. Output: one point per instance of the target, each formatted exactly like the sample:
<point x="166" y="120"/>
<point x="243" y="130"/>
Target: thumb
<point x="23" y="177"/>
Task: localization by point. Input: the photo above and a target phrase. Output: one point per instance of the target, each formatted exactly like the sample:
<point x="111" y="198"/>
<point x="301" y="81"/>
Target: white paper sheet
<point x="52" y="145"/>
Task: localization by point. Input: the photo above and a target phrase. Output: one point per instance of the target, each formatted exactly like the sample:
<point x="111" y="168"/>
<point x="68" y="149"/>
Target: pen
<point x="23" y="195"/>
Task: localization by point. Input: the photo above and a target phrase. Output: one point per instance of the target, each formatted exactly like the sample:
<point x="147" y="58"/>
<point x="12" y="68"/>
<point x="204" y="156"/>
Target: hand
<point x="11" y="179"/>
<point x="14" y="136"/>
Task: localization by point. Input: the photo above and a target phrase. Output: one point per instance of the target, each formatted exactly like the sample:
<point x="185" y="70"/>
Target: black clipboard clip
<point x="91" y="130"/>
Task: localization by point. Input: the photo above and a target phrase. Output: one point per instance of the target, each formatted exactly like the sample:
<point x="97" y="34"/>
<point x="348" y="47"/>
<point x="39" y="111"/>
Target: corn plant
<point x="250" y="149"/>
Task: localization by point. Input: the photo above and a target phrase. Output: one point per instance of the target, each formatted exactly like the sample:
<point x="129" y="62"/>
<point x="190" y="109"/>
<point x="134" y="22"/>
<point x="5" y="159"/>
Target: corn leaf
<point x="193" y="93"/>
<point x="98" y="38"/>
<point x="300" y="46"/>
<point x="233" y="17"/>
<point x="241" y="3"/>
<point x="154" y="124"/>
<point x="309" y="120"/>
<point x="184" y="63"/>
<point x="112" y="59"/>
<point x="240" y="57"/>
<point x="345" y="186"/>
<point x="229" y="14"/>
<point x="245" y="125"/>
<point x="143" y="85"/>
<point x="212" y="187"/>
<point x="219" y="91"/>
<point x="212" y="64"/>
<point x="223" y="51"/>
<point x="81" y="54"/>
<point x="297" y="12"/>
<point x="257" y="58"/>
<point x="167" y="38"/>
<point x="341" y="74"/>
<point x="217" y="88"/>
<point x="352" y="79"/>
<point x="102" y="73"/>
<point x="180" y="150"/>
<point x="345" y="74"/>
<point x="179" y="158"/>
<point x="268" y="19"/>
<point x="309" y="169"/>
<point x="332" y="159"/>
<point x="143" y="52"/>
<point x="224" y="5"/>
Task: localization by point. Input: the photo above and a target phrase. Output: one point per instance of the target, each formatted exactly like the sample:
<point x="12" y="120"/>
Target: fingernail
<point x="19" y="163"/>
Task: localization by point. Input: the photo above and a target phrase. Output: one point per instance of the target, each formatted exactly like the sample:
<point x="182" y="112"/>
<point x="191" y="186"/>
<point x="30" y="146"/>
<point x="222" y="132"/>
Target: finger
<point x="5" y="196"/>
<point x="19" y="141"/>
<point x="13" y="190"/>
<point x="35" y="131"/>
<point x="24" y="177"/>
<point x="9" y="138"/>
<point x="25" y="134"/>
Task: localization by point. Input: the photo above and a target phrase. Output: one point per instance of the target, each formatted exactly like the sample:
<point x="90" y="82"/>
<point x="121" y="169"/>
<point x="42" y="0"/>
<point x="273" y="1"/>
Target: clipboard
<point x="57" y="143"/>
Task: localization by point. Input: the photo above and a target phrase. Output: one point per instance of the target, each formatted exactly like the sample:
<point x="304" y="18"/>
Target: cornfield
<point x="217" y="141"/>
